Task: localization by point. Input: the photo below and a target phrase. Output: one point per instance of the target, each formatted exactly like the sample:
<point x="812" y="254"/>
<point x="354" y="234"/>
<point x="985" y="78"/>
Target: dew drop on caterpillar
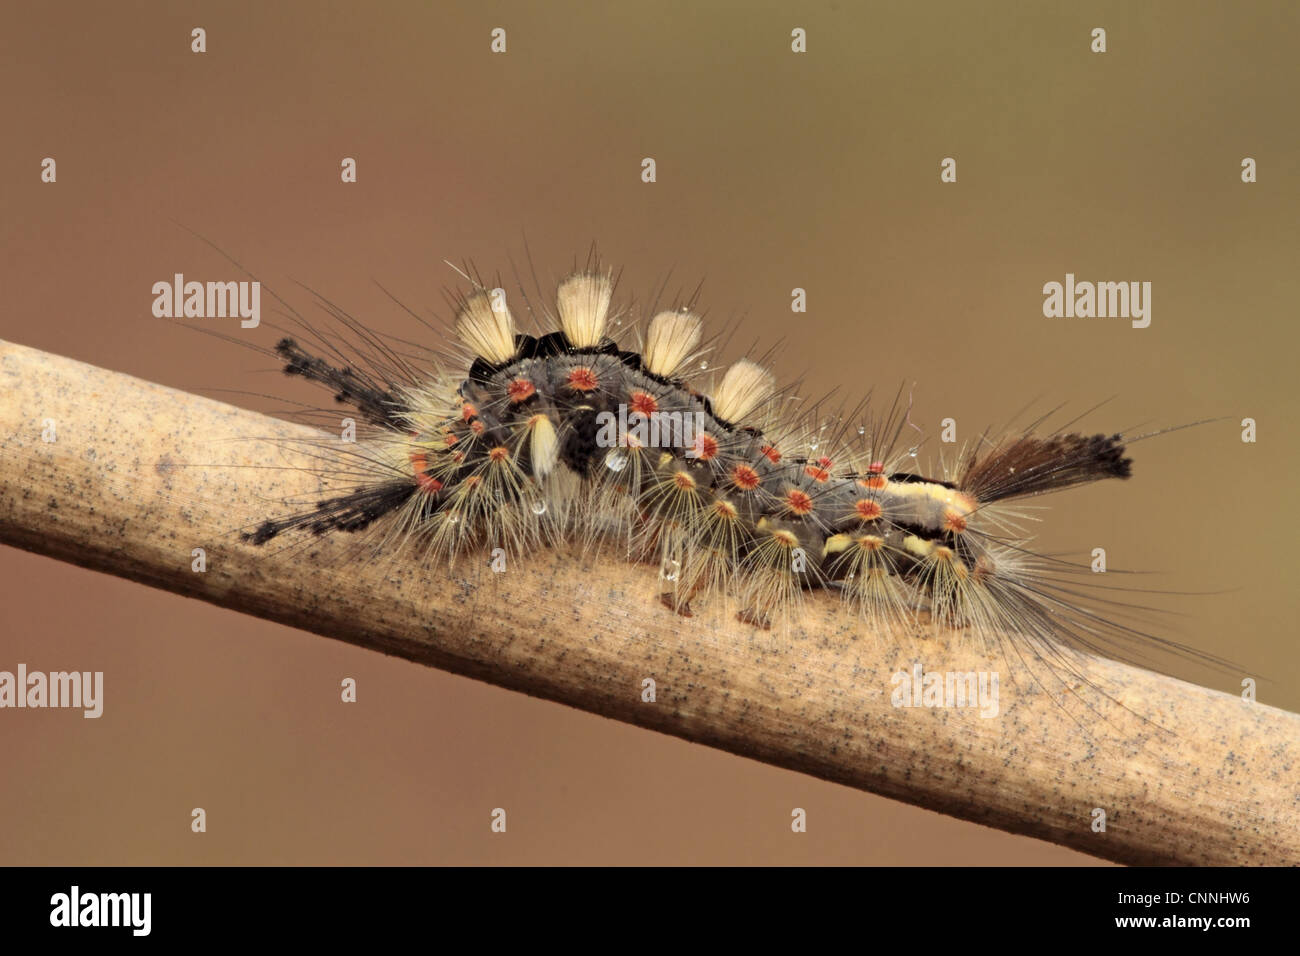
<point x="560" y="436"/>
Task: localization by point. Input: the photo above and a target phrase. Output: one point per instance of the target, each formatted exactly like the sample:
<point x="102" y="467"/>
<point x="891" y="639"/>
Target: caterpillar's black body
<point x="521" y="451"/>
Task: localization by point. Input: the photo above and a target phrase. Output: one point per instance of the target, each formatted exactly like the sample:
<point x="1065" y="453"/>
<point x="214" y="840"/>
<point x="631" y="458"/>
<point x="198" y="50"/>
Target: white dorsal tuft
<point x="583" y="301"/>
<point x="670" y="341"/>
<point x="745" y="387"/>
<point x="485" y="324"/>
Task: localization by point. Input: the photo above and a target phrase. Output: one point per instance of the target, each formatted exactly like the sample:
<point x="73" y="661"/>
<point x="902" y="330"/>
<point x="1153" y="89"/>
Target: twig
<point x="118" y="490"/>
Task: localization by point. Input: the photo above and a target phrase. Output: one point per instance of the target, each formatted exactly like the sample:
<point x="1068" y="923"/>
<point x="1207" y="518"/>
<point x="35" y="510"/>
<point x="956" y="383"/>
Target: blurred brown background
<point x="775" y="170"/>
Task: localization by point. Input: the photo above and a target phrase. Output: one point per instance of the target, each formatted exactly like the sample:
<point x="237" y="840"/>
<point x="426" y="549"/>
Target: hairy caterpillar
<point x="565" y="436"/>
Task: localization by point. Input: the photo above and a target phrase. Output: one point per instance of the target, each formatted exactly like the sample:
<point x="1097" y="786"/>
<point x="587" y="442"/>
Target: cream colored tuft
<point x="670" y="341"/>
<point x="745" y="387"/>
<point x="543" y="445"/>
<point x="489" y="332"/>
<point x="835" y="544"/>
<point x="583" y="301"/>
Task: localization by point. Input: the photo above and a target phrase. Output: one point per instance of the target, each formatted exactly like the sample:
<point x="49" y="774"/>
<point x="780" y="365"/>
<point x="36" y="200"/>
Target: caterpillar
<point x="564" y="436"/>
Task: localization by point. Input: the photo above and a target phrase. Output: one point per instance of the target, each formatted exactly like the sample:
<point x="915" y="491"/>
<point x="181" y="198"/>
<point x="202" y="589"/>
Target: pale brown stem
<point x="140" y="475"/>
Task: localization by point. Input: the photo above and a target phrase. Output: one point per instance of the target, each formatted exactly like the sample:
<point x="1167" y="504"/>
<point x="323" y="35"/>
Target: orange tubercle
<point x="819" y="470"/>
<point x="643" y="402"/>
<point x="798" y="502"/>
<point x="705" y="447"/>
<point x="583" y="379"/>
<point x="423" y="480"/>
<point x="520" y="390"/>
<point x="867" y="509"/>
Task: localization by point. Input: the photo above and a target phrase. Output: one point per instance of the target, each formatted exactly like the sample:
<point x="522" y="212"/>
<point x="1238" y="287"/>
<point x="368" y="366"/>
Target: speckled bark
<point x="139" y="475"/>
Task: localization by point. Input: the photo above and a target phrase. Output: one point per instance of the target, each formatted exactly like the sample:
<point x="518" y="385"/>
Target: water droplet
<point x="616" y="459"/>
<point x="812" y="445"/>
<point x="912" y="451"/>
<point x="862" y="429"/>
<point x="453" y="519"/>
<point x="539" y="507"/>
<point x="670" y="570"/>
<point x="703" y="365"/>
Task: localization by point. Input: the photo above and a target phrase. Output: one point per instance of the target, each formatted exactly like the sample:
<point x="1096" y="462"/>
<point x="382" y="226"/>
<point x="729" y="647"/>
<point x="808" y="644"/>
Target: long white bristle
<point x="489" y="331"/>
<point x="745" y="387"/>
<point x="670" y="340"/>
<point x="583" y="301"/>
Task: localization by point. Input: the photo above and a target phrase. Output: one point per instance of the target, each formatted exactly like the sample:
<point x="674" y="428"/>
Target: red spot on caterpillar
<point x="819" y="470"/>
<point x="772" y="454"/>
<point x="424" y="481"/>
<point x="875" y="482"/>
<point x="876" y="468"/>
<point x="583" y="379"/>
<point x="744" y="478"/>
<point x="476" y="427"/>
<point x="520" y="390"/>
<point x="468" y="411"/>
<point x="451" y="439"/>
<point x="867" y="509"/>
<point x="458" y="456"/>
<point x="724" y="509"/>
<point x="798" y="502"/>
<point x="500" y="453"/>
<point x="684" y="481"/>
<point x="706" y="447"/>
<point x="644" y="403"/>
<point x="472" y="481"/>
<point x="954" y="521"/>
